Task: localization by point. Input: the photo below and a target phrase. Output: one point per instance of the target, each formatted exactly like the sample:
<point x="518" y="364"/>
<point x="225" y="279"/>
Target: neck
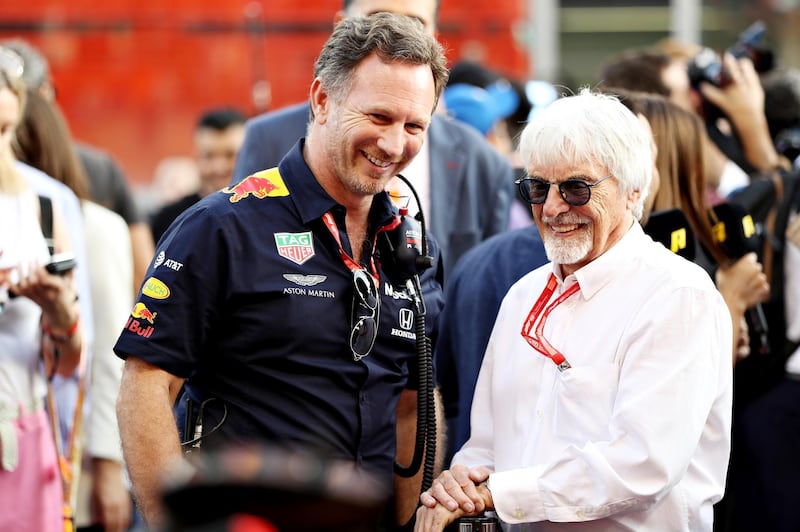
<point x="356" y="225"/>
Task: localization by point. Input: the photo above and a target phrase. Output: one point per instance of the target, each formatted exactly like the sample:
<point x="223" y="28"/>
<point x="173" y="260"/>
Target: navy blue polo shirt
<point x="248" y="298"/>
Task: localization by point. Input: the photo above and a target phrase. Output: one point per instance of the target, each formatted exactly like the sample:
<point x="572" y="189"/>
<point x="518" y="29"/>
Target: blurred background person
<point x="174" y="177"/>
<point x="218" y="136"/>
<point x="768" y="472"/>
<point x="500" y="109"/>
<point x="107" y="183"/>
<point x="103" y="500"/>
<point x="682" y="185"/>
<point x="652" y="70"/>
<point x="39" y="316"/>
<point x="782" y="109"/>
<point x="740" y="280"/>
<point x="763" y="193"/>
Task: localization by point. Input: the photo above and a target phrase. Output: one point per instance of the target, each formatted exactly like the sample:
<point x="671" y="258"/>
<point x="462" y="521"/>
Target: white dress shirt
<point x="636" y="434"/>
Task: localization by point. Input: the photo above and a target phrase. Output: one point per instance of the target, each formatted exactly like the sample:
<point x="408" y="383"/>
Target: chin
<point x="567" y="253"/>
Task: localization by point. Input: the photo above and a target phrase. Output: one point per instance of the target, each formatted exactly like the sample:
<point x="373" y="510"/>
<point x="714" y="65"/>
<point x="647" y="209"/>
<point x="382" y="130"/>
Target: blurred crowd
<point x="725" y="131"/>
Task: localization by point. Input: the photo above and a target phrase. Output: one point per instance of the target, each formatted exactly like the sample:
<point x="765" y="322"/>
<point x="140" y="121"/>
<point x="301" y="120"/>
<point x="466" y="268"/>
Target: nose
<point x="554" y="204"/>
<point x="392" y="140"/>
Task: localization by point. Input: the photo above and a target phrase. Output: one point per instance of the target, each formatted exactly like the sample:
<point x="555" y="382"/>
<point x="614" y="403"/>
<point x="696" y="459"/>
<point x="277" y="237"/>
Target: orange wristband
<point x="62" y="338"/>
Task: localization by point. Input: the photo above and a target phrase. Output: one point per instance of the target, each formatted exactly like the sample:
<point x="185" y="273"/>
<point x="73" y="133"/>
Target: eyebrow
<point x="580" y="177"/>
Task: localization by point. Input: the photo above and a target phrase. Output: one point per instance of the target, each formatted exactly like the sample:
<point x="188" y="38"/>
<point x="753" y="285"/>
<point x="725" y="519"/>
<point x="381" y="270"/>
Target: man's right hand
<point x="460" y="488"/>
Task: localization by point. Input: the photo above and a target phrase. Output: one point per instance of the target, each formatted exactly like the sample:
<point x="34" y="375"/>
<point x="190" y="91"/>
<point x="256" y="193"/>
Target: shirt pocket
<point x="584" y="400"/>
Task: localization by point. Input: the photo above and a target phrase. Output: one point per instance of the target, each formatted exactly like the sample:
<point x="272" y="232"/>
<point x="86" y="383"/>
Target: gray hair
<point x="592" y="128"/>
<point x="395" y="38"/>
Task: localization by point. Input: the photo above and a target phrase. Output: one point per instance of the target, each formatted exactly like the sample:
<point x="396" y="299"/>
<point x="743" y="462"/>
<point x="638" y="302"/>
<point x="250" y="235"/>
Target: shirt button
<point x="580" y="514"/>
<point x="362" y="397"/>
<point x="539" y="414"/>
<point x="518" y="513"/>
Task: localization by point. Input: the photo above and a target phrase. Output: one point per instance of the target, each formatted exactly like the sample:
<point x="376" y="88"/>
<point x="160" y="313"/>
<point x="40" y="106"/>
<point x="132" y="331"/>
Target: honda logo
<point x="406" y="319"/>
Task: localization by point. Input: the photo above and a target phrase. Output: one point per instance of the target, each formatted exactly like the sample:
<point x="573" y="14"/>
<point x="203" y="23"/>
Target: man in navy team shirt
<point x="268" y="300"/>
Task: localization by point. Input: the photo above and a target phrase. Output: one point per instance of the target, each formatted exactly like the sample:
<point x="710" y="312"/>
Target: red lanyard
<point x="538" y="341"/>
<point x="351" y="264"/>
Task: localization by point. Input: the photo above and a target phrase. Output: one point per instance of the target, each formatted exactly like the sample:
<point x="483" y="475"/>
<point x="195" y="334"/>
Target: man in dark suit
<point x="466" y="187"/>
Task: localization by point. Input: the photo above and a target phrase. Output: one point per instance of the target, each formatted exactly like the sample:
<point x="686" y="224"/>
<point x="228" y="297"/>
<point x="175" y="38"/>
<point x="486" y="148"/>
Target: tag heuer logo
<point x="297" y="247"/>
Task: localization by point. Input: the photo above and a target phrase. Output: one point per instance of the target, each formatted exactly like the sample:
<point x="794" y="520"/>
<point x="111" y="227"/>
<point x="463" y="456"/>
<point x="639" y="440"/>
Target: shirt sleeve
<point x="181" y="296"/>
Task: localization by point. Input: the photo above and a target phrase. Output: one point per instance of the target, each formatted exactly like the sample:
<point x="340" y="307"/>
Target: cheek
<point x="415" y="142"/>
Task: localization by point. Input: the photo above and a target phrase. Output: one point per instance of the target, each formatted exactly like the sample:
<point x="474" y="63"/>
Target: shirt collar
<point x="607" y="266"/>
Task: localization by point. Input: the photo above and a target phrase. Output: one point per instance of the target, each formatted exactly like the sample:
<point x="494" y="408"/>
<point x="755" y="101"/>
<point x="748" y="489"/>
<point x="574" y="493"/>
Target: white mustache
<point x="564" y="219"/>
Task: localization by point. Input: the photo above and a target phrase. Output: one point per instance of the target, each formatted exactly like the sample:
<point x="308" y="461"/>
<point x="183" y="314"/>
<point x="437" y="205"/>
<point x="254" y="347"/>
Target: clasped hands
<point x="455" y="493"/>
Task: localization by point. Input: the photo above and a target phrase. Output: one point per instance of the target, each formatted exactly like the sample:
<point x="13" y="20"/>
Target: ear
<point x="318" y="98"/>
<point x="632" y="199"/>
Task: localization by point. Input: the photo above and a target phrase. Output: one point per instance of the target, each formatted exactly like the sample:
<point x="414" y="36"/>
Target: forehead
<point x="422" y="10"/>
<point x="395" y="87"/>
<point x="556" y="172"/>
<point x="9" y="106"/>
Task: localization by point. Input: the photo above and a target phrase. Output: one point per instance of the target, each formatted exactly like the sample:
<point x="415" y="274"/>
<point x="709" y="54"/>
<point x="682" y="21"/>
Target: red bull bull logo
<point x="142" y="312"/>
<point x="134" y="324"/>
<point x="264" y="184"/>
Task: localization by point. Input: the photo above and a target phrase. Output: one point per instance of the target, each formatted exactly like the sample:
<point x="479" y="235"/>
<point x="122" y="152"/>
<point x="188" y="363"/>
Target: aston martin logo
<point x="304" y="280"/>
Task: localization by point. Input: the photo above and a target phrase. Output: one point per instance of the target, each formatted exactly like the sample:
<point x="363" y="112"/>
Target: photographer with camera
<point x="747" y="93"/>
<point x="738" y="95"/>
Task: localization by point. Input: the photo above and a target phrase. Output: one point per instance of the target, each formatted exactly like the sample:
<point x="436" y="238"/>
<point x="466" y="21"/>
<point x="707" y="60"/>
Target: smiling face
<point x="370" y="136"/>
<point x="574" y="236"/>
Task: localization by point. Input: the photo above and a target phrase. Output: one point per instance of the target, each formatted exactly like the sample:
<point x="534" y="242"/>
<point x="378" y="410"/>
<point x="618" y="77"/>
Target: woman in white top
<point x="40" y="334"/>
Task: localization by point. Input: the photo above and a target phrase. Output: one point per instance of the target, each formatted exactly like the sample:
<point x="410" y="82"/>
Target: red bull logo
<point x="135" y="326"/>
<point x="267" y="183"/>
<point x="142" y="312"/>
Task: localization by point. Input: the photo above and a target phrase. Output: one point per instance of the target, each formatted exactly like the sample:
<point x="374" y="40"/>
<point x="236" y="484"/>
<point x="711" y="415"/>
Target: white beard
<point x="568" y="251"/>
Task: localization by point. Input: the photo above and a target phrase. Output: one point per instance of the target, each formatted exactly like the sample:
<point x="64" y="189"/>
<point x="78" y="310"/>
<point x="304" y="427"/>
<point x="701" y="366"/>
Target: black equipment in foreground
<point x="671" y="228"/>
<point x="404" y="256"/>
<point x="737" y="234"/>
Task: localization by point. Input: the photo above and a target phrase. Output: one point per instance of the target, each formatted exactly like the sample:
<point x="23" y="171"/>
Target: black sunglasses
<point x="366" y="311"/>
<point x="574" y="191"/>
